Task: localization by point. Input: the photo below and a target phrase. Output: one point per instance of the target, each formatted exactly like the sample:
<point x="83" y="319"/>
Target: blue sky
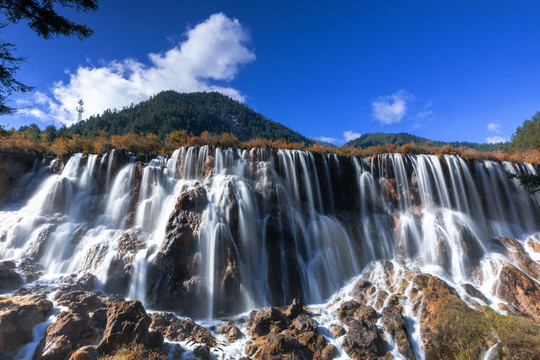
<point x="446" y="70"/>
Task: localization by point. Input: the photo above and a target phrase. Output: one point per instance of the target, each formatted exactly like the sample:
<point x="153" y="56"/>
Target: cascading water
<point x="273" y="225"/>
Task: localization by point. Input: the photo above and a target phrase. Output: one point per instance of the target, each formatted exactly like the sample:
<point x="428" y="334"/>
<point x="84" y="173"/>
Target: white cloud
<point x="350" y="135"/>
<point x="494" y="127"/>
<point x="391" y="109"/>
<point x="212" y="51"/>
<point x="495" y="139"/>
<point x="347" y="136"/>
<point x="326" y="139"/>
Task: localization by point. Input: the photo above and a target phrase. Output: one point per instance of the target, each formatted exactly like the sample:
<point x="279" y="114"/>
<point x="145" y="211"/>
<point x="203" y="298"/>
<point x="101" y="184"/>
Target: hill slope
<point x="170" y="111"/>
<point x="399" y="139"/>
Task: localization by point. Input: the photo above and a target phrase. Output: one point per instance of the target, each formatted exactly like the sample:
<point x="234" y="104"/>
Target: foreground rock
<point x="276" y="336"/>
<point x="174" y="329"/>
<point x="127" y="322"/>
<point x="18" y="316"/>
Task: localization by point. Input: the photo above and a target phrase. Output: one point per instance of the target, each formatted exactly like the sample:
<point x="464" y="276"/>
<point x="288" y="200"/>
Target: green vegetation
<point x="136" y="351"/>
<point x="527" y="136"/>
<point x="193" y="113"/>
<point x="463" y="333"/>
<point x="453" y="330"/>
<point x="400" y="139"/>
<point x="47" y="23"/>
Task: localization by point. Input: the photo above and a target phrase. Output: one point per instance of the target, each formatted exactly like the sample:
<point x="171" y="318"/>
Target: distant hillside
<point x="170" y="111"/>
<point x="399" y="139"/>
<point x="527" y="136"/>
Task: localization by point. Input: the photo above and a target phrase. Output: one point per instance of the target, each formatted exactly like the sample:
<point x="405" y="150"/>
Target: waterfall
<point x="276" y="224"/>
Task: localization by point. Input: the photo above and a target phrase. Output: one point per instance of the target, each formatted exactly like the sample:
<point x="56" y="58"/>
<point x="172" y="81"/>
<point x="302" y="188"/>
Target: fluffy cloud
<point x="212" y="51"/>
<point x="391" y="109"/>
<point x="350" y="135"/>
<point x="494" y="127"/>
<point x="495" y="139"/>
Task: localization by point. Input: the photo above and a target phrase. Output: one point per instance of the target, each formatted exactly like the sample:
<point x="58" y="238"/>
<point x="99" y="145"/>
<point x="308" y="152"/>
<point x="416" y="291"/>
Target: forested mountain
<point x="170" y="111"/>
<point x="399" y="139"/>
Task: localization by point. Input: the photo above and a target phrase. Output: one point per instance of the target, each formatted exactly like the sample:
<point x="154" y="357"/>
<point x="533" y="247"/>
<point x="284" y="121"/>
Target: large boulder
<point x="266" y="320"/>
<point x="353" y="310"/>
<point x="18" y="316"/>
<point x="231" y="331"/>
<point x="82" y="324"/>
<point x="276" y="336"/>
<point x="127" y="322"/>
<point x="363" y="341"/>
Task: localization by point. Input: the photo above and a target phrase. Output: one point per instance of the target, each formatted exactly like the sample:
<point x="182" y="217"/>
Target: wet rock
<point x="9" y="278"/>
<point x="392" y="318"/>
<point x="232" y="333"/>
<point x="362" y="291"/>
<point x="174" y="329"/>
<point x="127" y="322"/>
<point x="352" y="310"/>
<point x="363" y="341"/>
<point x="519" y="256"/>
<point x="172" y="281"/>
<point x="296" y="308"/>
<point x="337" y="331"/>
<point x="519" y="290"/>
<point x="304" y="322"/>
<point x="474" y="292"/>
<point x="131" y="240"/>
<point x="18" y="316"/>
<point x="265" y="320"/>
<point x="121" y="267"/>
<point x="534" y="245"/>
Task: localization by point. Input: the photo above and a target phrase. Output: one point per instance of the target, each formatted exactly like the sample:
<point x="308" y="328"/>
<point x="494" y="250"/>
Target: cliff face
<point x="13" y="167"/>
<point x="215" y="232"/>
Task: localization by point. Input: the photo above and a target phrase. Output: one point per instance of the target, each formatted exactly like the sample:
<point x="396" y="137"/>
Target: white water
<point x="316" y="222"/>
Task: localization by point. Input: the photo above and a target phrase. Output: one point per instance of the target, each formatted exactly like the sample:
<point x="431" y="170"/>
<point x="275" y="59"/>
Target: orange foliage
<point x="151" y="144"/>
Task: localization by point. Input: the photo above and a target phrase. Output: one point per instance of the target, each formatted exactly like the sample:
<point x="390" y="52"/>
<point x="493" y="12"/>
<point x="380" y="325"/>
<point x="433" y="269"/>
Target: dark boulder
<point x="363" y="341"/>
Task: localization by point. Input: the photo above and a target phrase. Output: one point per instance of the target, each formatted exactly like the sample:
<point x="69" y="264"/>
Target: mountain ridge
<point x="194" y="113"/>
<point x="402" y="138"/>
